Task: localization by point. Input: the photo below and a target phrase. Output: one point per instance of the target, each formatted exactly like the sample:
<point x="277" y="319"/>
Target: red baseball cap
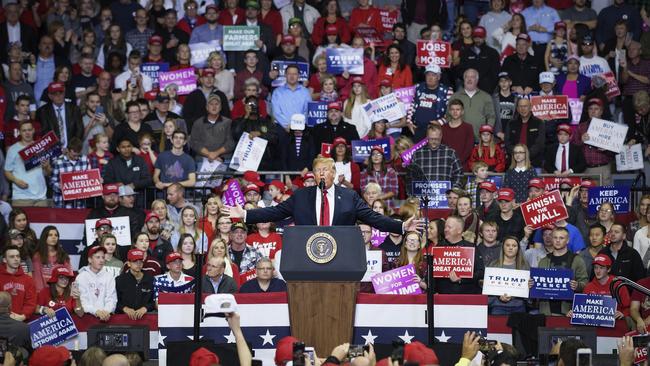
<point x="254" y="178"/>
<point x="560" y="25"/>
<point x="277" y="184"/>
<point x="96" y="249"/>
<point x="110" y="189"/>
<point x="339" y="141"/>
<point x="486" y="128"/>
<point x="566" y="181"/>
<point x="172" y="257"/>
<point x="523" y="37"/>
<point x="308" y="175"/>
<point x="479" y="32"/>
<point x="602" y="260"/>
<point x="334" y="105"/>
<point x="288" y="38"/>
<point x="563" y="128"/>
<point x="595" y="101"/>
<point x="417" y="352"/>
<point x="150" y="95"/>
<point x="331" y="30"/>
<point x="103" y="222"/>
<point x="207" y="71"/>
<point x="251" y="187"/>
<point x="50" y="356"/>
<point x="506" y="194"/>
<point x="151" y="215"/>
<point x="284" y="350"/>
<point x="385" y="82"/>
<point x="60" y="271"/>
<point x="537" y="183"/>
<point x="156" y="40"/>
<point x="212" y="6"/>
<point x="488" y="186"/>
<point x="135" y="255"/>
<point x="56" y="87"/>
<point x="587" y="183"/>
<point x="378" y="149"/>
<point x="203" y="357"/>
<point x="357" y="79"/>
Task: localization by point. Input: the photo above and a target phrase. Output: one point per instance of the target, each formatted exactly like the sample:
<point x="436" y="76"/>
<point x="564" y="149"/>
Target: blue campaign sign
<point x="618" y="196"/>
<point x="340" y="60"/>
<point x="316" y="113"/>
<point x="434" y="190"/>
<point x="280" y="66"/>
<point x="151" y="69"/>
<point x="361" y="149"/>
<point x="551" y="283"/>
<point x="594" y="310"/>
<point x="53" y="331"/>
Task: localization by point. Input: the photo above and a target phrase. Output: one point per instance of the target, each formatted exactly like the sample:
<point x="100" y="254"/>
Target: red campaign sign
<point x="370" y="35"/>
<point x="325" y="150"/>
<point x="433" y="52"/>
<point x="612" y="85"/>
<point x="457" y="259"/>
<point x="553" y="183"/>
<point x="640" y="353"/>
<point x="509" y="50"/>
<point x="39" y="146"/>
<point x="80" y="185"/>
<point x="388" y="19"/>
<point x="543" y="210"/>
<point x="247" y="276"/>
<point x="550" y="107"/>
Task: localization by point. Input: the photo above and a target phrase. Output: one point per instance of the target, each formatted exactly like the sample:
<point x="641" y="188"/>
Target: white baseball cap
<point x="546" y="77"/>
<point x="220" y="303"/>
<point x="432" y="68"/>
<point x="297" y="122"/>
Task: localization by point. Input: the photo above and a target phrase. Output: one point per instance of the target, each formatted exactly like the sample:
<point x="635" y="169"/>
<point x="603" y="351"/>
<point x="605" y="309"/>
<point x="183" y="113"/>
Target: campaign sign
<point x="630" y="158"/>
<point x="405" y="95"/>
<point x="152" y="69"/>
<point x="576" y="110"/>
<point x="240" y="37"/>
<point x="121" y="230"/>
<point x="248" y="153"/>
<point x="457" y="259"/>
<point x="434" y="190"/>
<point x="551" y="283"/>
<point x="612" y="85"/>
<point x="618" y="196"/>
<point x="550" y="107"/>
<point x="377" y="237"/>
<point x="386" y="107"/>
<point x="545" y="209"/>
<point x="232" y="194"/>
<point x="503" y="281"/>
<point x="184" y="78"/>
<point x="640" y="353"/>
<point x="408" y="154"/>
<point x="80" y="185"/>
<point x="361" y="149"/>
<point x="388" y="19"/>
<point x="433" y="52"/>
<point x="249" y="275"/>
<point x="369" y="35"/>
<point x="606" y="135"/>
<point x="316" y="113"/>
<point x="340" y="60"/>
<point x="374" y="263"/>
<point x="45" y="148"/>
<point x="200" y="51"/>
<point x="594" y="310"/>
<point x="326" y="149"/>
<point x="553" y="183"/>
<point x="399" y="281"/>
<point x="281" y="66"/>
<point x="52" y="331"/>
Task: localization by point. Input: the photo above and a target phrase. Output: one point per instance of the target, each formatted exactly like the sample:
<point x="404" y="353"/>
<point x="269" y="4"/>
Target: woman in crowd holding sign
<point x="395" y="69"/>
<point x="412" y="254"/>
<point x="59" y="294"/>
<point x="511" y="258"/>
<point x="349" y="174"/>
<point x="49" y="254"/>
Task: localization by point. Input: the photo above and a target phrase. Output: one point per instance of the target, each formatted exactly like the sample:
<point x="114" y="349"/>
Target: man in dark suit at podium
<point x="341" y="206"/>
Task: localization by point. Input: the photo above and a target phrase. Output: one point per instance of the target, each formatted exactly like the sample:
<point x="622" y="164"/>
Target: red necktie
<point x="325" y="219"/>
<point x="563" y="158"/>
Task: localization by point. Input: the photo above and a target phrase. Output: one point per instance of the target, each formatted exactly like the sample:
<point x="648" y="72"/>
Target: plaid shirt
<point x="64" y="165"/>
<point x="593" y="156"/>
<point x="248" y="260"/>
<point x="439" y="164"/>
<point x="388" y="182"/>
<point x="94" y="160"/>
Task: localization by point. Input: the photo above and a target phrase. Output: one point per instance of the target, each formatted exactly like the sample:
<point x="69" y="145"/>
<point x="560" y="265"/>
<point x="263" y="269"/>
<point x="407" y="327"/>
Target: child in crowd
<point x="146" y="151"/>
<point x="100" y="155"/>
<point x="480" y="170"/>
<point x="328" y="91"/>
<point x="520" y="172"/>
<point x="557" y="50"/>
<point x="488" y="151"/>
<point x="276" y="190"/>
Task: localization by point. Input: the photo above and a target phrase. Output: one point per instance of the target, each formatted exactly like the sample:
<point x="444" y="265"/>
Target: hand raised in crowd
<point x="341" y="351"/>
<point x="573" y="284"/>
<point x="453" y="277"/>
<point x="470" y="345"/>
<point x="626" y="351"/>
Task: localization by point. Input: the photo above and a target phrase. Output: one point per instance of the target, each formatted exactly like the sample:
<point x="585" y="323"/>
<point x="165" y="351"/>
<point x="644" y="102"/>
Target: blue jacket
<point x="584" y="84"/>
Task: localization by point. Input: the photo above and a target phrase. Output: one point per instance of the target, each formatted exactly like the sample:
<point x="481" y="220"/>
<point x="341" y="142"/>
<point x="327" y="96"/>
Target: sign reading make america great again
<point x="457" y="259"/>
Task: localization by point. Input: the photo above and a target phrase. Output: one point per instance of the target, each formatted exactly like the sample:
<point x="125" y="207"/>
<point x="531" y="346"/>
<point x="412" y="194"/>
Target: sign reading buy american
<point x="457" y="259"/>
<point x="545" y="209"/>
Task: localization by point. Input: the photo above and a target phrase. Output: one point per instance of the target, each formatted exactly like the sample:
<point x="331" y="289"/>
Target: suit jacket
<point x="226" y="286"/>
<point x="348" y="209"/>
<point x="47" y="115"/>
<point x="27" y="38"/>
<point x="576" y="158"/>
<point x="535" y="138"/>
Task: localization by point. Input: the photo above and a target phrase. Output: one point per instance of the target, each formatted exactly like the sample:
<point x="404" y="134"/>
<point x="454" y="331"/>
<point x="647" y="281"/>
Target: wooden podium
<point x="322" y="296"/>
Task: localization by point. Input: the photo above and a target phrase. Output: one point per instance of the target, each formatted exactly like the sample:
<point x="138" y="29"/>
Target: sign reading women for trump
<point x="606" y="135"/>
<point x="619" y="197"/>
<point x="594" y="310"/>
<point x="408" y="154"/>
<point x="184" y="78"/>
<point x="52" y="331"/>
<point x="543" y="210"/>
<point x="406" y="96"/>
<point x="399" y="281"/>
<point x="232" y="194"/>
<point x="551" y="283"/>
<point x="361" y="149"/>
<point x="550" y="107"/>
<point x="340" y="60"/>
<point x="248" y="153"/>
<point x="503" y="281"/>
<point x="576" y="110"/>
<point x="386" y="107"/>
<point x="457" y="259"/>
<point x="433" y="52"/>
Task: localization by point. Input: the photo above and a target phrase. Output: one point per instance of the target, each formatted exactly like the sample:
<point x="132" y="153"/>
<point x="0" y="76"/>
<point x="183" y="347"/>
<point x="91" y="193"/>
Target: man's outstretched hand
<point x="233" y="212"/>
<point x="413" y="224"/>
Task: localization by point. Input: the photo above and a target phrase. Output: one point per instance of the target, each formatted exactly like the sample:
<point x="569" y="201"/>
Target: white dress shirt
<point x="558" y="157"/>
<point x="13" y="32"/>
<point x="330" y="198"/>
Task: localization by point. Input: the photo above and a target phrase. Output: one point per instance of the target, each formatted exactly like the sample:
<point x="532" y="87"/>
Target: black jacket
<point x="486" y="62"/>
<point x="134" y="294"/>
<point x="16" y="332"/>
<point x="466" y="285"/>
<point x="436" y="11"/>
<point x="226" y="286"/>
<point x="74" y="127"/>
<point x="291" y="159"/>
<point x="576" y="159"/>
<point x="628" y="263"/>
<point x="524" y="73"/>
<point x="28" y="40"/>
<point x="116" y="171"/>
<point x="160" y="251"/>
<point x="326" y="133"/>
<point x="195" y="103"/>
<point x="534" y="139"/>
<point x="267" y="131"/>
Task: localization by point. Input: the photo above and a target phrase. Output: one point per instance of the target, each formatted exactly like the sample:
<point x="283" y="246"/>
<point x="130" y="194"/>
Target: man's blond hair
<point x="320" y="160"/>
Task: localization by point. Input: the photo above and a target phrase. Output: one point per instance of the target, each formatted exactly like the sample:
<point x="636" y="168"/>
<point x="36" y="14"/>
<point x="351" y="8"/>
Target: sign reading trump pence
<point x="503" y="281"/>
<point x="551" y="283"/>
<point x="543" y="210"/>
<point x="399" y="281"/>
<point x="606" y="135"/>
<point x="594" y="310"/>
<point x="457" y="259"/>
<point x="548" y="107"/>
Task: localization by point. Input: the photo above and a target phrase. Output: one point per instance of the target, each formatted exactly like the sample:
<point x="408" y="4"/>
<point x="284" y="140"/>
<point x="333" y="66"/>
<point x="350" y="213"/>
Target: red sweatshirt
<point x="22" y="289"/>
<point x="461" y="139"/>
<point x="273" y="242"/>
<point x="594" y="287"/>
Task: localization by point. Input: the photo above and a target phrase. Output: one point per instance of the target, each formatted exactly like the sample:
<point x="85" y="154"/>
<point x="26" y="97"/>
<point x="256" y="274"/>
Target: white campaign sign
<point x="373" y="257"/>
<point x="121" y="230"/>
<point x="386" y="107"/>
<point x="502" y="281"/>
<point x="606" y="135"/>
<point x="248" y="153"/>
<point x="630" y="158"/>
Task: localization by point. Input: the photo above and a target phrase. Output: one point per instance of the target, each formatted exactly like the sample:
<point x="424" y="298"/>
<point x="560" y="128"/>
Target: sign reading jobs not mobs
<point x="457" y="259"/>
<point x="434" y="190"/>
<point x="399" y="281"/>
<point x="52" y="331"/>
<point x="340" y="60"/>
<point x="550" y="107"/>
<point x="80" y="185"/>
<point x="503" y="281"/>
<point x="433" y="52"/>
<point x="606" y="135"/>
<point x="545" y="209"/>
<point x="551" y="283"/>
<point x="594" y="310"/>
<point x="619" y="197"/>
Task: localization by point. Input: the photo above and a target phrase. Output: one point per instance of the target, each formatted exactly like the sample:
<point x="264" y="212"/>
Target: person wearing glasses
<point x="265" y="282"/>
